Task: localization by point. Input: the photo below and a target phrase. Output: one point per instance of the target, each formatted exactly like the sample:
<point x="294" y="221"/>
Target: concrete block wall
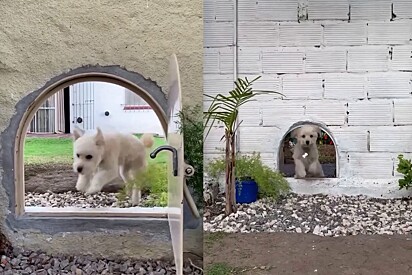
<point x="345" y="63"/>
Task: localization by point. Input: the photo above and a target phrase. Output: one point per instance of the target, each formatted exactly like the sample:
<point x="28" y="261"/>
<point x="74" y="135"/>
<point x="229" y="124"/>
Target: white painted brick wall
<point x="218" y="60"/>
<point x="268" y="10"/>
<point x="251" y="114"/>
<point x="266" y="82"/>
<point x="330" y="112"/>
<point x="402" y="9"/>
<point x="345" y="86"/>
<point x="350" y="34"/>
<point x="369" y="165"/>
<point x="218" y="34"/>
<point x="283" y="61"/>
<point x="213" y="141"/>
<point x="370" y="113"/>
<point x="302" y="86"/>
<point x="350" y="138"/>
<point x="224" y="10"/>
<point x="389" y="85"/>
<point x="218" y="10"/>
<point x="392" y="33"/>
<point x="401" y="58"/>
<point x="278" y="10"/>
<point x="326" y="9"/>
<point x="273" y="113"/>
<point x="368" y="59"/>
<point x="249" y="61"/>
<point x="391" y="139"/>
<point x="259" y="139"/>
<point x="278" y="112"/>
<point x="325" y="60"/>
<point x="370" y="10"/>
<point x="300" y="34"/>
<point x="403" y="111"/>
<point x="258" y="34"/>
<point x="214" y="84"/>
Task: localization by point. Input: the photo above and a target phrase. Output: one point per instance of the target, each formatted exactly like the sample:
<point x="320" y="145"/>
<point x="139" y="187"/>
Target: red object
<point x="137" y="107"/>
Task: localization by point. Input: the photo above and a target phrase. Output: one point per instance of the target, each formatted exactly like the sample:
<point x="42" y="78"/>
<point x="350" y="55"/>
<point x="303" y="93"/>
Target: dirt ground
<point x="57" y="178"/>
<point x="292" y="253"/>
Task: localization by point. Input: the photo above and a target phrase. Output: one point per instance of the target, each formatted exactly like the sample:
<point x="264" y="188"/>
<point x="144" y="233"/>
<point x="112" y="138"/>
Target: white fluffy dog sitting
<point x="101" y="158"/>
<point x="305" y="152"/>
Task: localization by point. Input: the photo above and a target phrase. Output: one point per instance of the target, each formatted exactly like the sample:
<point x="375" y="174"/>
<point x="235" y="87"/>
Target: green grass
<point x="40" y="150"/>
<point x="219" y="269"/>
<point x="210" y="238"/>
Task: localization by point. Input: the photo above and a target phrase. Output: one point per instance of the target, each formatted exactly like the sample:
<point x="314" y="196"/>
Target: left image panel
<point x="101" y="154"/>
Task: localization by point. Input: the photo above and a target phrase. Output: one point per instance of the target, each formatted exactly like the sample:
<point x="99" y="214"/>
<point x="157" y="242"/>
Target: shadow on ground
<point x="292" y="253"/>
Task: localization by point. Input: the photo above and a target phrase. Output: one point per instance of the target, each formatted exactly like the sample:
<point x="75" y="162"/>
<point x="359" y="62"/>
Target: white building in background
<point x="96" y="104"/>
<point x="346" y="64"/>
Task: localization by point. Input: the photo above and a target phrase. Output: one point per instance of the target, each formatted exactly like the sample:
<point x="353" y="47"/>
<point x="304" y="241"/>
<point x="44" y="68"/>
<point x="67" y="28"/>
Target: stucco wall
<point x="345" y="63"/>
<point x="43" y="39"/>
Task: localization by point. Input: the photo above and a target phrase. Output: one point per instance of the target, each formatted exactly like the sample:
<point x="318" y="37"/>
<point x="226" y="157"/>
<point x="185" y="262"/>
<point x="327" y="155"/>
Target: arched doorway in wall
<point x="81" y="90"/>
<point x="48" y="147"/>
<point x="325" y="144"/>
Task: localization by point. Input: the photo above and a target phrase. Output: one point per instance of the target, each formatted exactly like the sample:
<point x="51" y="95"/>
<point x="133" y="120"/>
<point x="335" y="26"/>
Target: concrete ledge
<point x="380" y="188"/>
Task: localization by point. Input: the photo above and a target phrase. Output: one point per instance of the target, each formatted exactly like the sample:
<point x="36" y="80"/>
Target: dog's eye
<point x="78" y="155"/>
<point x="89" y="157"/>
<point x="303" y="136"/>
<point x="311" y="136"/>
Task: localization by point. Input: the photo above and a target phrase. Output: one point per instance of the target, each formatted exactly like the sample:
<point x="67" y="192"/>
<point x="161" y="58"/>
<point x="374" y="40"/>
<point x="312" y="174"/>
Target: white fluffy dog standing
<point x="305" y="152"/>
<point x="101" y="158"/>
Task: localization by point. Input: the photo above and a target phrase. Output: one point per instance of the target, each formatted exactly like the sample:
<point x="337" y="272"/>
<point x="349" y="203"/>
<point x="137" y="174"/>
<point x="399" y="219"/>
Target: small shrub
<point x="153" y="181"/>
<point x="271" y="183"/>
<point x="405" y="168"/>
<point x="191" y="125"/>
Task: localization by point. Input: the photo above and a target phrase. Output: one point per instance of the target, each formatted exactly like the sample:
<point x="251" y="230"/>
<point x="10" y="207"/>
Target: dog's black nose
<point x="307" y="142"/>
<point x="79" y="169"/>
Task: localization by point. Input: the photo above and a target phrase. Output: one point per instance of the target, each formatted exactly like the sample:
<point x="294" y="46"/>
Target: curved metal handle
<point x="168" y="148"/>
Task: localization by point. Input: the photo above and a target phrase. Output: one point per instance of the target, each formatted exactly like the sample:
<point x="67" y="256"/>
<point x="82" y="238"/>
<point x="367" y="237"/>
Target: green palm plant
<point x="225" y="109"/>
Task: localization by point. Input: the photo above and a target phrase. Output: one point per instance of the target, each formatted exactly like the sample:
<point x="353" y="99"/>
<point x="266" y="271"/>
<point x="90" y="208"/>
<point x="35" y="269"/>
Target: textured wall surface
<point x="43" y="39"/>
<point x="345" y="63"/>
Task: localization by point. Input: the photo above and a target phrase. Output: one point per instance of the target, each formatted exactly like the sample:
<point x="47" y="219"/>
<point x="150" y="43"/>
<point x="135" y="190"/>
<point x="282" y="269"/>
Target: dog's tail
<point x="147" y="140"/>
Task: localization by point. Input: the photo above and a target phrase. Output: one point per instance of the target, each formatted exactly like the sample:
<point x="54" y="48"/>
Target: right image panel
<point x="308" y="139"/>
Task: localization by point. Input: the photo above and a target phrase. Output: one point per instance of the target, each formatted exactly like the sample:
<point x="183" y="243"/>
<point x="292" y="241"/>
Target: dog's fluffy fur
<point x="101" y="158"/>
<point x="305" y="152"/>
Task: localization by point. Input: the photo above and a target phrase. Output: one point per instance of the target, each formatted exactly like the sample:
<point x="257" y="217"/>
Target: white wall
<point x="347" y="63"/>
<point x="111" y="97"/>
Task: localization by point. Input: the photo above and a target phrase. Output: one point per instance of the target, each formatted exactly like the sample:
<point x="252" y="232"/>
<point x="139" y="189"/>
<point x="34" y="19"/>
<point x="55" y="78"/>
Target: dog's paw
<point x="300" y="176"/>
<point x="81" y="186"/>
<point x="92" y="190"/>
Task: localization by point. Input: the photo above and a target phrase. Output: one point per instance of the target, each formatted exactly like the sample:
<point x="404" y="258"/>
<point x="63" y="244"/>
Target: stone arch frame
<point x="12" y="142"/>
<point x="320" y="125"/>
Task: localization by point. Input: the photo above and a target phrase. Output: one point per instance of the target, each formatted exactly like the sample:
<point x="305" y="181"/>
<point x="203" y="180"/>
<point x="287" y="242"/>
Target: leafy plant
<point x="405" y="168"/>
<point x="191" y="125"/>
<point x="271" y="183"/>
<point x="153" y="180"/>
<point x="225" y="109"/>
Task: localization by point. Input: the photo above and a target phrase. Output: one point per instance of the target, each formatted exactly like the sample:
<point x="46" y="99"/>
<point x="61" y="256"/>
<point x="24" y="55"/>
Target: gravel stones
<point x="77" y="199"/>
<point x="38" y="263"/>
<point x="317" y="214"/>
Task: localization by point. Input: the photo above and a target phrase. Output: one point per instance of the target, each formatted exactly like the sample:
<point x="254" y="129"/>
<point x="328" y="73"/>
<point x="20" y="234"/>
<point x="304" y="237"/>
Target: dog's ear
<point x="294" y="133"/>
<point x="99" y="137"/>
<point x="318" y="130"/>
<point x="77" y="132"/>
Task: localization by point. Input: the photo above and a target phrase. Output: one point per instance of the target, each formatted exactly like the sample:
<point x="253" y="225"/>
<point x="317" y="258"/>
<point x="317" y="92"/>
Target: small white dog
<point x="305" y="152"/>
<point x="99" y="159"/>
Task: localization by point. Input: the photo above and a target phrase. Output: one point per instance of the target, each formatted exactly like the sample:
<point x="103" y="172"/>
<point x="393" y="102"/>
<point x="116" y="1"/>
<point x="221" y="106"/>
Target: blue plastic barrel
<point x="246" y="191"/>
